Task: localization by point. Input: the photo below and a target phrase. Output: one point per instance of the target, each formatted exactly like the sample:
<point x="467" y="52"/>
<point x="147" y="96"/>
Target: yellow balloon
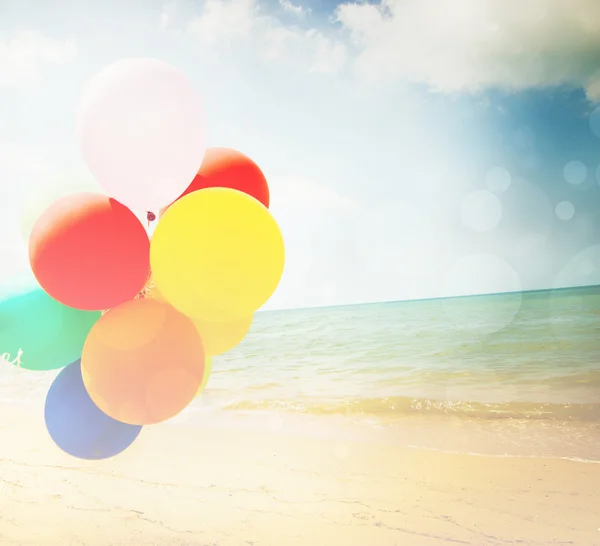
<point x="217" y="255"/>
<point x="217" y="337"/>
<point x="220" y="337"/>
<point x="207" y="372"/>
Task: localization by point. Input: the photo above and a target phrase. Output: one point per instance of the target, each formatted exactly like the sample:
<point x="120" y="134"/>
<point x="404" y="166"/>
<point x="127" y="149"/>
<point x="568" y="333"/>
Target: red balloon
<point x="90" y="252"/>
<point x="227" y="168"/>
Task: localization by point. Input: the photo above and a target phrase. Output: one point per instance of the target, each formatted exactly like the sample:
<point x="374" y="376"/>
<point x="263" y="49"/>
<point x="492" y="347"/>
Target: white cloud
<point x="593" y="90"/>
<point x="23" y="57"/>
<point x="294" y="9"/>
<point x="242" y="23"/>
<point x="459" y="45"/>
<point x="313" y="218"/>
<point x="225" y="21"/>
<point x="472" y="45"/>
<point x="296" y="192"/>
<point x="166" y="15"/>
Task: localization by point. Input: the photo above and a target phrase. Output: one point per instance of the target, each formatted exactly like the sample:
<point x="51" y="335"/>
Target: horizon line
<point x="432" y="298"/>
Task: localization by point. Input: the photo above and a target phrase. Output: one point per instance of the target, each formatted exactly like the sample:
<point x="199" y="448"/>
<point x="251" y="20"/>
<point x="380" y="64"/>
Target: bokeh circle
<point x="481" y="211"/>
<point x="575" y="172"/>
<point x="565" y="210"/>
<point x="498" y="179"/>
<point x="481" y="274"/>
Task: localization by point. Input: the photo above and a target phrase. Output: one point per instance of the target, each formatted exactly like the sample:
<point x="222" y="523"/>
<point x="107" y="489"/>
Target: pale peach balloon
<point x="141" y="129"/>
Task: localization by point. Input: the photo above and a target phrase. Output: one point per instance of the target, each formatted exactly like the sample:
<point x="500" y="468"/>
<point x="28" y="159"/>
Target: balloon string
<point x="17" y="361"/>
<point x="145" y="292"/>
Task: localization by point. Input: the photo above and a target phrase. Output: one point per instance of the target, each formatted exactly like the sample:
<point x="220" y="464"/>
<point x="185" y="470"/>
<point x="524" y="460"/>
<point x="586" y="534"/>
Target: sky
<point x="413" y="148"/>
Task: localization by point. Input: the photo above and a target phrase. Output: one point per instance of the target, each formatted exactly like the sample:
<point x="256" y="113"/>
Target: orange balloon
<point x="143" y="362"/>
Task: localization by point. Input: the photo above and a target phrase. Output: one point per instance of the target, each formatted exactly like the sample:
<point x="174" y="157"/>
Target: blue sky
<point x="411" y="151"/>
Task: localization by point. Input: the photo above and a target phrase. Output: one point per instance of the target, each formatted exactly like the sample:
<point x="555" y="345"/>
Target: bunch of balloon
<point x="133" y="320"/>
<point x="216" y="256"/>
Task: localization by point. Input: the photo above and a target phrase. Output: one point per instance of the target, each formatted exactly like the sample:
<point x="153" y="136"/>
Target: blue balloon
<point x="77" y="425"/>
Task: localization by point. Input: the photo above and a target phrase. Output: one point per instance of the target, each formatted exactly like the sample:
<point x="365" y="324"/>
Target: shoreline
<point x="451" y="434"/>
<point x="569" y="440"/>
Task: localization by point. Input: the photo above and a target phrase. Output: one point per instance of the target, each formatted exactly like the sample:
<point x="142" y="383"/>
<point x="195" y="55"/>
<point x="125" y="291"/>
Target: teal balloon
<point x="41" y="332"/>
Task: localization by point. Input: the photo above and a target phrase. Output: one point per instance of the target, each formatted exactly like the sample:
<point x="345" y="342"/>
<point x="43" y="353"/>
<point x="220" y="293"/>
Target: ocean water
<point x="533" y="355"/>
<point x="510" y="374"/>
<point x="507" y="374"/>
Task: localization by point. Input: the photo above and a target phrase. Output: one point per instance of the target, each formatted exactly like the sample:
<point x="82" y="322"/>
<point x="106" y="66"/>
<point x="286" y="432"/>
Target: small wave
<point x="406" y="406"/>
<point x="504" y="455"/>
<point x="263" y="386"/>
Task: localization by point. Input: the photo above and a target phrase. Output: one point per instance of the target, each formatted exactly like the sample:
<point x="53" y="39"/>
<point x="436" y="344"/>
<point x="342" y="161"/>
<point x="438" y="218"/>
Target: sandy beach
<point x="182" y="486"/>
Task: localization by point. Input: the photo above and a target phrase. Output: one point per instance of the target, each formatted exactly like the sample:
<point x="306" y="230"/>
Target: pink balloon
<point x="141" y="129"/>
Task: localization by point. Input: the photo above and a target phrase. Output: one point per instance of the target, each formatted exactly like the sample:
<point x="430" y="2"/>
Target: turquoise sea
<point x="515" y="374"/>
<point x="508" y="374"/>
<point x="432" y="356"/>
